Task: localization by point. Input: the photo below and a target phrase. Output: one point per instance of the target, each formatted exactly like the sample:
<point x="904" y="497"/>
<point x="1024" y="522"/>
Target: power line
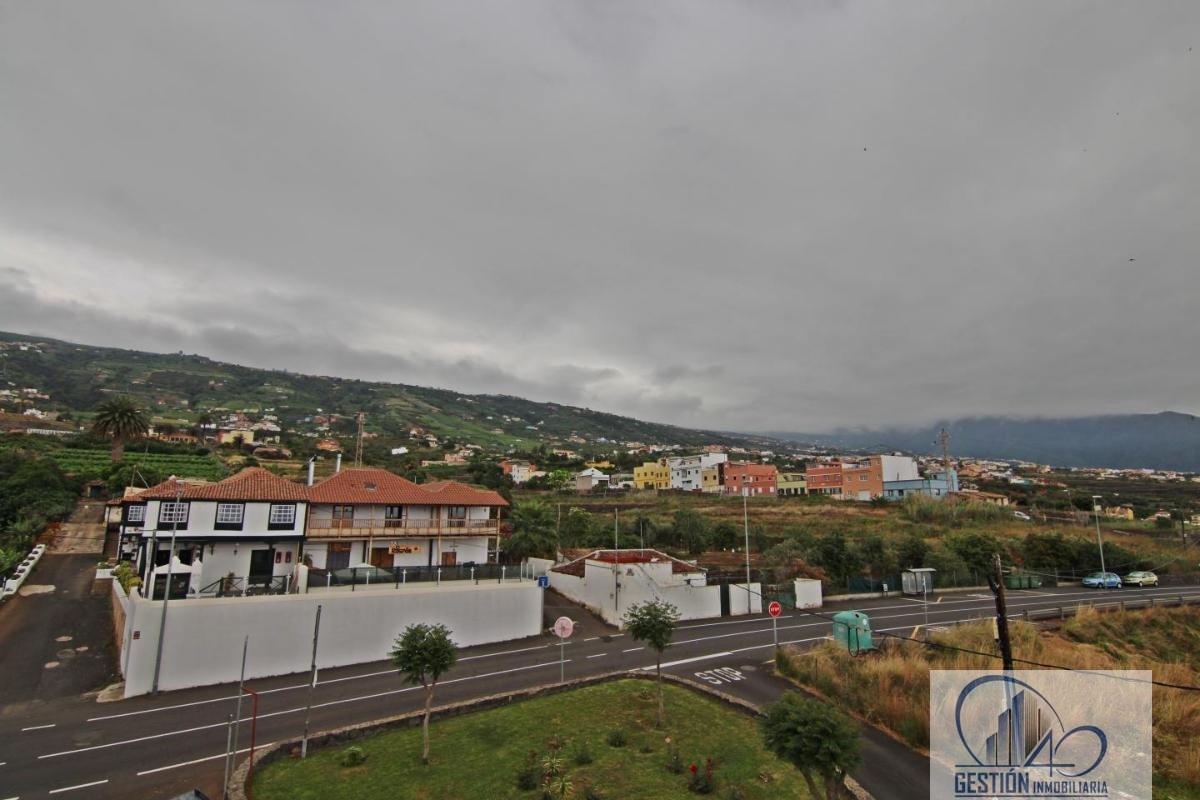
<point x="994" y="656"/>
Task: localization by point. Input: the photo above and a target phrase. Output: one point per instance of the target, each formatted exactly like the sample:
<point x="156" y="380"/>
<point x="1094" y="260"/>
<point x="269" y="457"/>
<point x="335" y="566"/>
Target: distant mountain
<point x="1167" y="440"/>
<point x="179" y="386"/>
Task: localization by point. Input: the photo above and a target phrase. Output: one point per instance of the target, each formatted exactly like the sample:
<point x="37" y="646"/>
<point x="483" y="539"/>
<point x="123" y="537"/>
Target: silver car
<point x="1141" y="579"/>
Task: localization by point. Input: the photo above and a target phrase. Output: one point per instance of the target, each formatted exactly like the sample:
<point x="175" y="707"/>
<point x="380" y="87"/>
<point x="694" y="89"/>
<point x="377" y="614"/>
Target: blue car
<point x="1103" y="580"/>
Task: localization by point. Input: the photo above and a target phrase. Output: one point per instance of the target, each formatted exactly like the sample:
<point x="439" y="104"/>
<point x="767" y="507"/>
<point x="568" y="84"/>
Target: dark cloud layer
<point x="732" y="214"/>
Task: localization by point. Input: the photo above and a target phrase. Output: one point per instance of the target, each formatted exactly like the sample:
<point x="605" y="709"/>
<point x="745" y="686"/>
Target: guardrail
<point x="22" y="571"/>
<point x="330" y="528"/>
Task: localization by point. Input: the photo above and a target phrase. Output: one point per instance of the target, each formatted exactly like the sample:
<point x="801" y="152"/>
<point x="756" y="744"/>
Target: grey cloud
<point x="730" y="214"/>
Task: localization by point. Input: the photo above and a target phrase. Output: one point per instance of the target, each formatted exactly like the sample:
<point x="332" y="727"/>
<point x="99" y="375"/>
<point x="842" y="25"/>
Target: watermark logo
<point x="1040" y="734"/>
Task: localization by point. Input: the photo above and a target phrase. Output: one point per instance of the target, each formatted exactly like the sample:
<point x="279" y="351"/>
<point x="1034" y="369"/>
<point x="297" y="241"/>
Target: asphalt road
<point x="155" y="748"/>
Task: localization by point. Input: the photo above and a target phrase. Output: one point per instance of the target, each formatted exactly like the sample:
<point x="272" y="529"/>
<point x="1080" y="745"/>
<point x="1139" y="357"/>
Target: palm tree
<point x="120" y="419"/>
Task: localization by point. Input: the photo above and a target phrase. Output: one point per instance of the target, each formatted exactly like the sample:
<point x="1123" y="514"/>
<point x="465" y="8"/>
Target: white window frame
<point x="170" y="512"/>
<point x="272" y="519"/>
<point x="239" y="508"/>
<point x="136" y="514"/>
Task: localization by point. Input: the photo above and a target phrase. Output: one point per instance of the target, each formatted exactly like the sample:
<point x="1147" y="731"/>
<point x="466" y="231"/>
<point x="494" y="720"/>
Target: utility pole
<point x="558" y="532"/>
<point x="1099" y="541"/>
<point x="996" y="581"/>
<point x="616" y="565"/>
<point x="944" y="441"/>
<point x="162" y="621"/>
<point x="358" y="443"/>
<point x="746" y="529"/>
<point x="312" y="684"/>
<point x="231" y="757"/>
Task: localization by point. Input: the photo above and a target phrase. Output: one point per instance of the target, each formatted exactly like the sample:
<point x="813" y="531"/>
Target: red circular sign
<point x="774" y="609"/>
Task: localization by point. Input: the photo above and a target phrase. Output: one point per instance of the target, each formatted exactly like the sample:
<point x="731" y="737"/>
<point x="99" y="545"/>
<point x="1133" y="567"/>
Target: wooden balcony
<point x="384" y="528"/>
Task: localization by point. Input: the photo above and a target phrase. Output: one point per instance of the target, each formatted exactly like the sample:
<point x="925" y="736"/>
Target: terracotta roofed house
<point x="372" y="516"/>
<point x="246" y="530"/>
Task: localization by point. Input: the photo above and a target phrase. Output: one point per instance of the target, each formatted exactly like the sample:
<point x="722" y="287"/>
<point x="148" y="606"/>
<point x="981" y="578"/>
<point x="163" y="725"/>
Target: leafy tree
<point x="976" y="550"/>
<point x="120" y="419"/>
<point x="124" y="473"/>
<point x="690" y="530"/>
<point x="422" y="653"/>
<point x="558" y="479"/>
<point x="578" y="528"/>
<point x="876" y="555"/>
<point x="911" y="551"/>
<point x="819" y="740"/>
<point x="533" y="524"/>
<point x="840" y="559"/>
<point x="725" y="536"/>
<point x="653" y="623"/>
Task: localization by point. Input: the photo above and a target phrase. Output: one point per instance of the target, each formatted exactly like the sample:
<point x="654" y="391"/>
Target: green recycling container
<point x="852" y="630"/>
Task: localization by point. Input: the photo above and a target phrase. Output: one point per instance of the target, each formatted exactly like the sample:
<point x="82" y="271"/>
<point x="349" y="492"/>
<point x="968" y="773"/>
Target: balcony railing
<point x="357" y="528"/>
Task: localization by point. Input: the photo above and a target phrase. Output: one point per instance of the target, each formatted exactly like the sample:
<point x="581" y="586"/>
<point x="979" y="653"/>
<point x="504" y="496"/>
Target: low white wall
<point x="22" y="571"/>
<point x="738" y="599"/>
<point x="808" y="593"/>
<point x="204" y="636"/>
<point x="539" y="566"/>
<point x="596" y="590"/>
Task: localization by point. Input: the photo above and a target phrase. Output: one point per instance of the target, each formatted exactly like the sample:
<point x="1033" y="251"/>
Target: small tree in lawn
<point x="820" y="740"/>
<point x="653" y="623"/>
<point x="422" y="653"/>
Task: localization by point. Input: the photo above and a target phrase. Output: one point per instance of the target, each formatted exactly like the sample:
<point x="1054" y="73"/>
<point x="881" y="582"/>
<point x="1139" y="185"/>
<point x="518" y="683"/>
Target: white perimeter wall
<point x="595" y="590"/>
<point x="204" y="636"/>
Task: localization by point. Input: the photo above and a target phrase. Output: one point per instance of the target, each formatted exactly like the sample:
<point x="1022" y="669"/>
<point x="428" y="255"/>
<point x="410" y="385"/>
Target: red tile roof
<point x="373" y="486"/>
<point x="576" y="567"/>
<point x="252" y="483"/>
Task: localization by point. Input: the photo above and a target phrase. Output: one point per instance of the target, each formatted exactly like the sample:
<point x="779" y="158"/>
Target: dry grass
<point x="891" y="688"/>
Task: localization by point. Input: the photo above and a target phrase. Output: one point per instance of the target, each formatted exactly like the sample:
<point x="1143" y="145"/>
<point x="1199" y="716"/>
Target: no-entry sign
<point x="774" y="609"/>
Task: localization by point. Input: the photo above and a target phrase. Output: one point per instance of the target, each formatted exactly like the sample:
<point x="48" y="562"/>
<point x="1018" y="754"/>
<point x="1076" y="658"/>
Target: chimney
<point x="311" y="465"/>
<point x="337" y="467"/>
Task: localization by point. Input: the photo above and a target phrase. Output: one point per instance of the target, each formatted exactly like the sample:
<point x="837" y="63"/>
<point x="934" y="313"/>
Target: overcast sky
<point x="747" y="215"/>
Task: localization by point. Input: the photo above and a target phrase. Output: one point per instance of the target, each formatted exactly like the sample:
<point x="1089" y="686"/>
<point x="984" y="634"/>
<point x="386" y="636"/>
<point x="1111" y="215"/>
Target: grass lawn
<point x="478" y="755"/>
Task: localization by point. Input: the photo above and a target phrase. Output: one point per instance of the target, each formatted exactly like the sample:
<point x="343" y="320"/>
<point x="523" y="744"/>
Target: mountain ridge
<point x="1160" y="440"/>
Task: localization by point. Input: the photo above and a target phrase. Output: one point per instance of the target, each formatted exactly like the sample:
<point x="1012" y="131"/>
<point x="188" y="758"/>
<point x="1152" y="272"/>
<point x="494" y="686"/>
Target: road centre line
<point x="598" y="655"/>
<point x="294" y="710"/>
<point x="38" y="727"/>
<point x="298" y="686"/>
<point x="1070" y="598"/>
<point x="80" y="786"/>
<point x="198" y="760"/>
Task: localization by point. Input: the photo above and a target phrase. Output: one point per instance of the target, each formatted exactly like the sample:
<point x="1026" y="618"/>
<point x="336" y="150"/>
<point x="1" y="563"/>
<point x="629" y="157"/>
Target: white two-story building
<point x="241" y="534"/>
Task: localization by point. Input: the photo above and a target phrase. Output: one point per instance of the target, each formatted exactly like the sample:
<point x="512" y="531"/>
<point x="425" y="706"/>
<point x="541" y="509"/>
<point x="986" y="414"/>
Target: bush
<point x="674" y="761"/>
<point x="702" y="781"/>
<point x="583" y="754"/>
<point x="529" y="774"/>
<point x="352" y="757"/>
<point x="617" y="738"/>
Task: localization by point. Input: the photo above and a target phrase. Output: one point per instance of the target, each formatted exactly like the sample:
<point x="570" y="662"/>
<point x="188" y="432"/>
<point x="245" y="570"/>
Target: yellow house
<point x="1119" y="512"/>
<point x="710" y="479"/>
<point x="791" y="483"/>
<point x="652" y="475"/>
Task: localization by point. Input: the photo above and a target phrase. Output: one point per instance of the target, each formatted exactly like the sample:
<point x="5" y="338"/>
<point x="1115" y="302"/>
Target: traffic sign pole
<point x="563" y="628"/>
<point x="775" y="609"/>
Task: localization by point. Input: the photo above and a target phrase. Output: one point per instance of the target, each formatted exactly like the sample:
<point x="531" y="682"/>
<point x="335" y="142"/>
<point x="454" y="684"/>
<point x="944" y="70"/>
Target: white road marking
<point x="689" y="660"/>
<point x="38" y="727"/>
<point x="598" y="655"/>
<point x="80" y="786"/>
<point x="297" y="710"/>
<point x="296" y="686"/>
<point x="633" y="650"/>
<point x="197" y="761"/>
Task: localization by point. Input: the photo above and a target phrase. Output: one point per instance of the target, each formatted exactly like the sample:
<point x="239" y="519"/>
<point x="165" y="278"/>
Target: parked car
<point x="1022" y="515"/>
<point x="1103" y="580"/>
<point x="1141" y="579"/>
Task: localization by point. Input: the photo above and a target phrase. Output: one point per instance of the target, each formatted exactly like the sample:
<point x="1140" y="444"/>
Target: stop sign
<point x="774" y="609"/>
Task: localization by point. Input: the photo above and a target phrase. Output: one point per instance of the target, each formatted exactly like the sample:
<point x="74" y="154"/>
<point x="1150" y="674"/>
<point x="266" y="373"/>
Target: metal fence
<point x="233" y="586"/>
<point x="355" y="577"/>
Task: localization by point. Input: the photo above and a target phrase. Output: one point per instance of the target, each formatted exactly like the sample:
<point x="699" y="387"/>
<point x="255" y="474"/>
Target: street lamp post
<point x="162" y="621"/>
<point x="1099" y="541"/>
<point x="746" y="527"/>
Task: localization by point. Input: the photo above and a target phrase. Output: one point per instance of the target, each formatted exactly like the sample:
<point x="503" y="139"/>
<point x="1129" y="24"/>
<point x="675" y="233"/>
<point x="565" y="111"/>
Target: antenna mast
<point x="358" y="442"/>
